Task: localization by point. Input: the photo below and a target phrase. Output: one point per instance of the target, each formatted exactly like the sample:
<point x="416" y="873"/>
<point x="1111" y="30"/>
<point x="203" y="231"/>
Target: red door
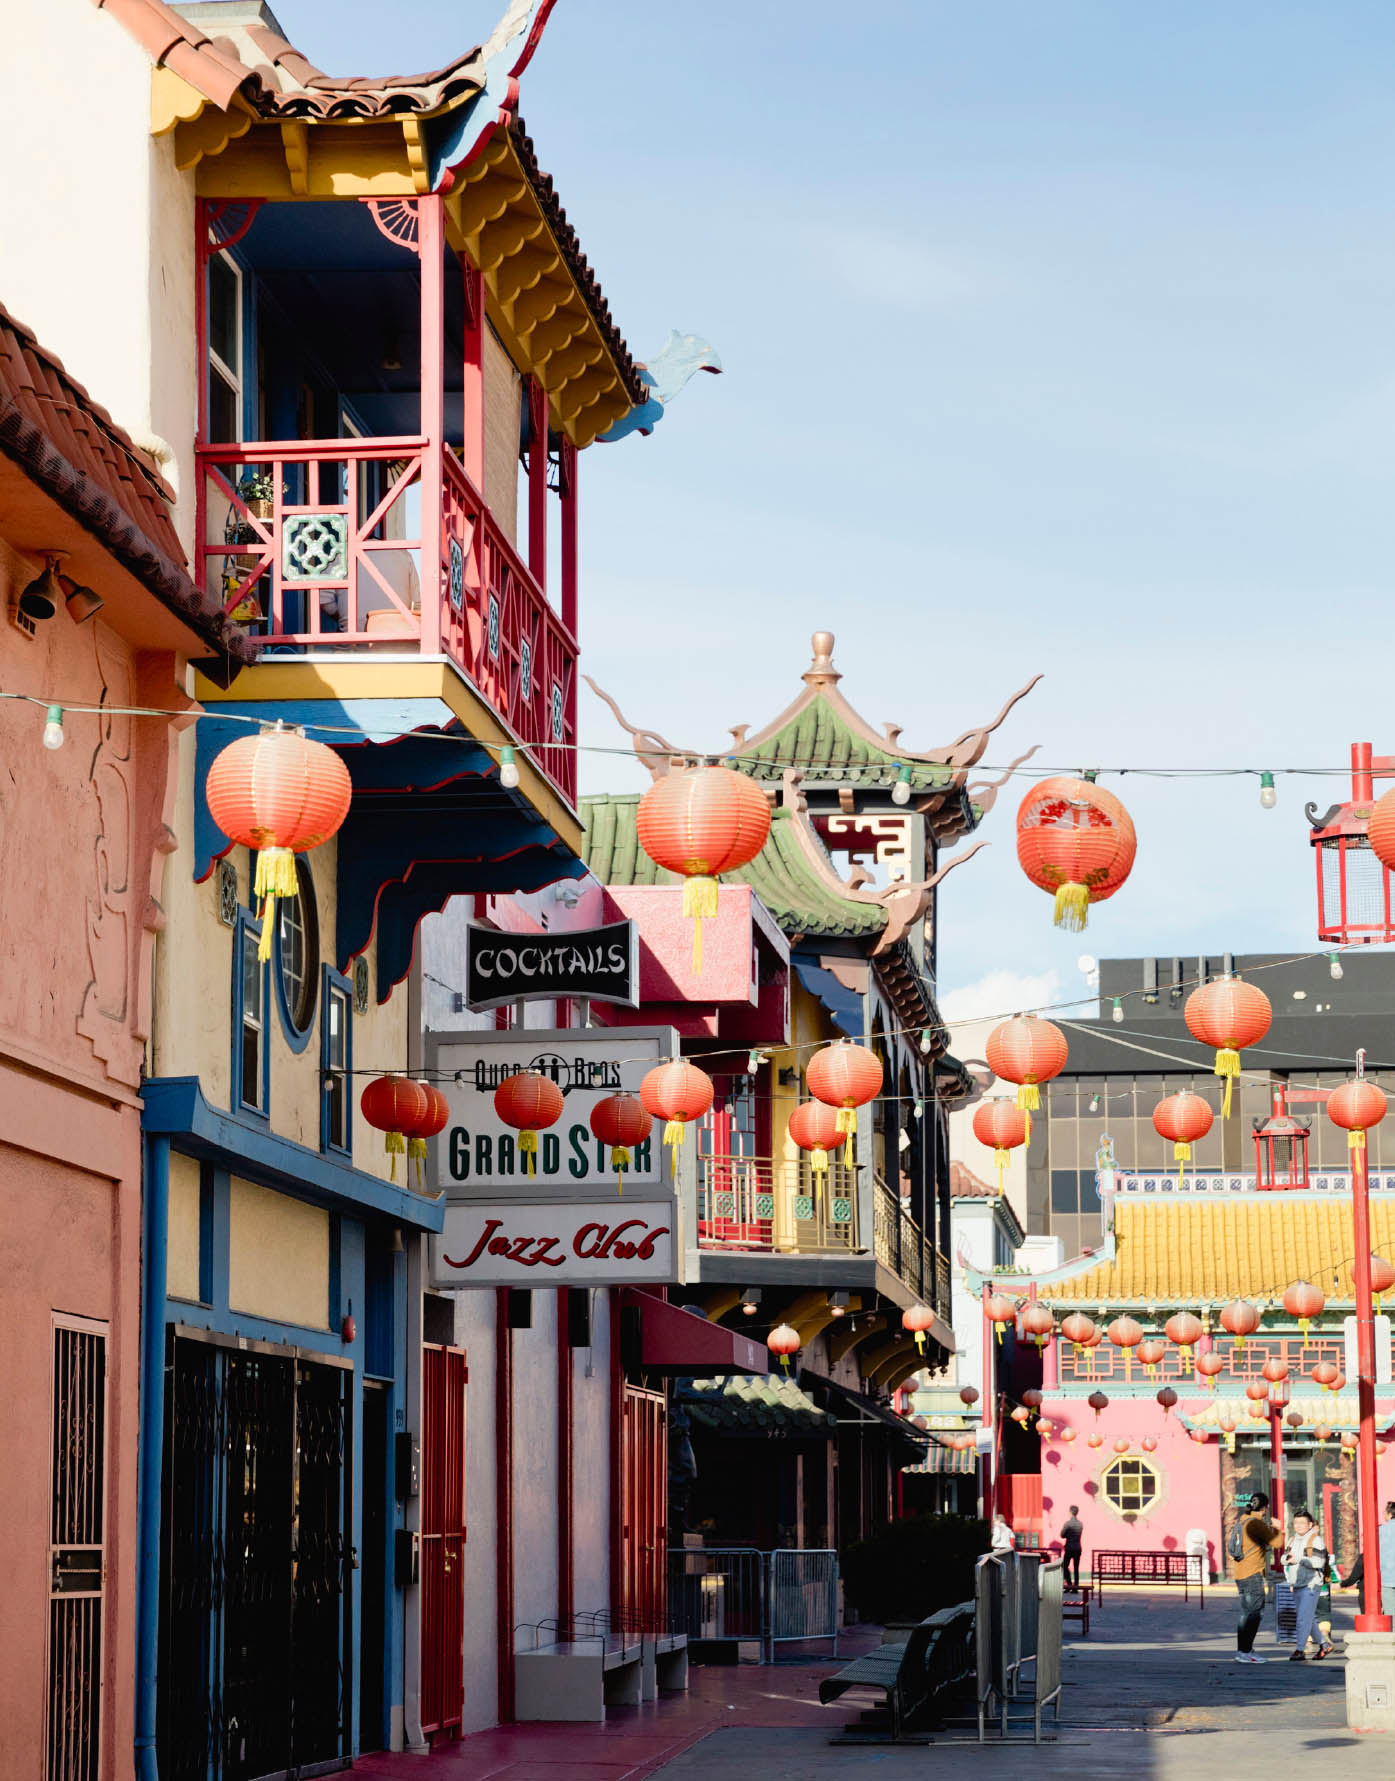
<point x="443" y="1376"/>
<point x="643" y="1510"/>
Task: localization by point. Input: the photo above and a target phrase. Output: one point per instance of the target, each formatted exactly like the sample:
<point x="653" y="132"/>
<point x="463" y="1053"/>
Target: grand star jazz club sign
<point x="568" y="1223"/>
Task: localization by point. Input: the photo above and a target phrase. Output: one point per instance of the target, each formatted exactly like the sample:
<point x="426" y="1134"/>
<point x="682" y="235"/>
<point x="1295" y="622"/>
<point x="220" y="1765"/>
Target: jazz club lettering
<point x="630" y="1240"/>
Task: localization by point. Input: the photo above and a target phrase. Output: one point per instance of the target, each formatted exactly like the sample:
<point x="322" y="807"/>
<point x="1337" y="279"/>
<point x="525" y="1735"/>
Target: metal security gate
<point x="255" y="1614"/>
<point x="643" y="1510"/>
<point x="76" y="1550"/>
<point x="443" y="1380"/>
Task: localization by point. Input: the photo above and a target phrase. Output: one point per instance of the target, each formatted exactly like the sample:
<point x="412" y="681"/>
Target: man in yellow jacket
<point x="1256" y="1535"/>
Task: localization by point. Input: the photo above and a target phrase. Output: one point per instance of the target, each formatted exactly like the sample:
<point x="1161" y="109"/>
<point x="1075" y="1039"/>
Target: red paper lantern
<point x="1324" y="1373"/>
<point x="1322" y="1434"/>
<point x="1122" y="1445"/>
<point x="784" y="1341"/>
<point x="1038" y="1323"/>
<point x="1167" y="1397"/>
<point x="1150" y="1352"/>
<point x="1045" y="1427"/>
<point x="678" y="1093"/>
<point x="1240" y="1318"/>
<point x="1356" y="1106"/>
<point x="1380" y="829"/>
<point x="1080" y="1330"/>
<point x="699" y="824"/>
<point x="1295" y="1420"/>
<point x="280" y="795"/>
<point x="1198" y="1435"/>
<point x="433" y="1120"/>
<point x="1149" y="1443"/>
<point x="1228" y="1014"/>
<point x="1027" y="1051"/>
<point x="1257" y="1391"/>
<point x="622" y="1121"/>
<point x="1097" y="1402"/>
<point x="1183" y="1118"/>
<point x="846" y="1076"/>
<point x="1125" y="1333"/>
<point x="1031" y="1397"/>
<point x="1000" y="1310"/>
<point x="918" y="1319"/>
<point x="1303" y="1301"/>
<point x="1349" y="1439"/>
<point x="1208" y="1365"/>
<point x="1226" y="1424"/>
<point x="1382" y="1277"/>
<point x="1022" y="1415"/>
<point x="1075" y="841"/>
<point x="1095" y="1441"/>
<point x="1275" y="1370"/>
<point x="1184" y="1331"/>
<point x="1002" y="1125"/>
<point x="394" y="1105"/>
<point x="968" y="1394"/>
<point x="529" y="1102"/>
<point x="1067" y="1435"/>
<point x="1340" y="1382"/>
<point x="813" y="1126"/>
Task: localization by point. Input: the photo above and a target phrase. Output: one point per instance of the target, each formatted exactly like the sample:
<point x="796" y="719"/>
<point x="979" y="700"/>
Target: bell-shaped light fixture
<point x="82" y="602"/>
<point x="42" y="597"/>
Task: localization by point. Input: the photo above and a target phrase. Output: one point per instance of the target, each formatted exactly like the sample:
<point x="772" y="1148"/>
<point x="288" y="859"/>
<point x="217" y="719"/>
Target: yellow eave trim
<point x="434" y="678"/>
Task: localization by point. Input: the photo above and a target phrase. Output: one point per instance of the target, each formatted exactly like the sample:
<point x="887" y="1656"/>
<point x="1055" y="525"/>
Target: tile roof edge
<point x="173" y="42"/>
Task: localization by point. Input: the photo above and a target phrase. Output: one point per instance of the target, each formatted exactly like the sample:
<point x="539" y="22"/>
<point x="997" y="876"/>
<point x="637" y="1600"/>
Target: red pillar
<point x="988" y="1399"/>
<point x="432" y="245"/>
<point x="1371" y="1620"/>
<point x="472" y="437"/>
<point x="566" y="1603"/>
<point x="503" y="1498"/>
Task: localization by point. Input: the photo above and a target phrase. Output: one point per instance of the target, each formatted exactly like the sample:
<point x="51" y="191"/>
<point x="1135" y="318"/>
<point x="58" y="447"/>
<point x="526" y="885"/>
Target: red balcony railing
<point x="1105" y="1365"/>
<point x="319" y="544"/>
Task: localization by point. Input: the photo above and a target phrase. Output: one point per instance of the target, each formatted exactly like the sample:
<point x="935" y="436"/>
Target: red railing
<point x="1105" y="1364"/>
<point x="318" y="544"/>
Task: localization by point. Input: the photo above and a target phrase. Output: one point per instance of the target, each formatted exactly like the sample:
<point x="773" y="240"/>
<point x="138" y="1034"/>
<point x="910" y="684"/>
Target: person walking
<point x="1073" y="1539"/>
<point x="1249" y="1543"/>
<point x="1004" y="1540"/>
<point x="1387" y="1561"/>
<point x="1305" y="1565"/>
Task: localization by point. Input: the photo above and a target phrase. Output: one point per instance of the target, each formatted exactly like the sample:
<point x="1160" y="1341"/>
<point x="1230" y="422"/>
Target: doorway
<point x="373" y="1602"/>
<point x="643" y="1509"/>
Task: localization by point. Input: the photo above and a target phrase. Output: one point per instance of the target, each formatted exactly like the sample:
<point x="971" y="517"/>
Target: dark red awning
<point x="672" y="1340"/>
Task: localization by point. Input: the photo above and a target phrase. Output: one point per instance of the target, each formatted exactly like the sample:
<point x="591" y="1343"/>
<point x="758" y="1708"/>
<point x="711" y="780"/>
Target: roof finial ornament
<point x="821" y="671"/>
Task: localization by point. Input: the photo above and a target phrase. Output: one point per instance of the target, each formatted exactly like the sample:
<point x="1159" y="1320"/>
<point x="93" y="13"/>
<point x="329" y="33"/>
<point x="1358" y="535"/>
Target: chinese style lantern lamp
<point x="529" y="1102"/>
<point x="1031" y="1397"/>
<point x="968" y="1394"/>
<point x="1356" y="1106"/>
<point x="1038" y="1323"/>
<point x="1001" y="1125"/>
<point x="1123" y="1444"/>
<point x="1027" y="1051"/>
<point x="699" y="824"/>
<point x="1294" y="1419"/>
<point x="1097" y="1402"/>
<point x="1324" y="1374"/>
<point x="1183" y="1118"/>
<point x="1200" y="1436"/>
<point x="1167" y="1397"/>
<point x="1067" y="1435"/>
<point x="1184" y="1331"/>
<point x="678" y="1093"/>
<point x="1022" y="1415"/>
<point x="1228" y="1014"/>
<point x="1150" y="1351"/>
<point x="846" y="1076"/>
<point x="433" y="1120"/>
<point x="1000" y="1310"/>
<point x="1077" y="1330"/>
<point x="1126" y="1333"/>
<point x="784" y="1341"/>
<point x="1322" y="1434"/>
<point x="622" y="1121"/>
<point x="1076" y="842"/>
<point x="1149" y="1443"/>
<point x="918" y="1319"/>
<point x="1275" y="1370"/>
<point x="279" y="794"/>
<point x="394" y="1105"/>
<point x="813" y="1126"/>
<point x="1045" y="1427"/>
<point x="1257" y="1392"/>
<point x="1303" y="1301"/>
<point x="1208" y="1365"/>
<point x="1241" y="1319"/>
<point x="1094" y="1441"/>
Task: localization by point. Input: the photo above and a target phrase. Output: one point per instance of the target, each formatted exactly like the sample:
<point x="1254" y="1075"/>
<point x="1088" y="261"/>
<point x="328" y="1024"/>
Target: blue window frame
<point x="251" y="990"/>
<point x="336" y="1062"/>
<point x="296" y="952"/>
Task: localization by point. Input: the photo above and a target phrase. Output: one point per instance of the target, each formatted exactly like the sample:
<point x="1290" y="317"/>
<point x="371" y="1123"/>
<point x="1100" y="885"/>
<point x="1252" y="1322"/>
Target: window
<point x="250" y="1060"/>
<point x="1130" y="1485"/>
<point x="224" y="350"/>
<point x="298" y="958"/>
<point x="336" y="1062"/>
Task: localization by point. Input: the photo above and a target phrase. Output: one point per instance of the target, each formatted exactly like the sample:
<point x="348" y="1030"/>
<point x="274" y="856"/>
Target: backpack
<point x="1235" y="1545"/>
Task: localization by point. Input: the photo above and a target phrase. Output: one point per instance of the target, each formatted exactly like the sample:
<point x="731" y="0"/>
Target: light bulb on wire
<point x="1117" y="1011"/>
<point x="508" y="769"/>
<point x="1268" y="797"/>
<point x="1334" y="966"/>
<point x="901" y="791"/>
<point x="53" y="727"/>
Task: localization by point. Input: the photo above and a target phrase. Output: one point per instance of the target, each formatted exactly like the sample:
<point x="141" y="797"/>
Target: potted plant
<point x="258" y="489"/>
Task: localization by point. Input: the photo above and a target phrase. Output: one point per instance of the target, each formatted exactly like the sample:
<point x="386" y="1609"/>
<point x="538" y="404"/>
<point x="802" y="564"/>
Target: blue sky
<point x="1056" y="338"/>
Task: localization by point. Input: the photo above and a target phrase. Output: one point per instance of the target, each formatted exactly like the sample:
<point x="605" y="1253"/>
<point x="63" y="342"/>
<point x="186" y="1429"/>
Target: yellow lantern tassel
<point x="1028" y="1097"/>
<point x="276" y="876"/>
<point x="1182" y="1155"/>
<point x="673" y="1137"/>
<point x="1000" y="1157"/>
<point x="416" y="1150"/>
<point x="394" y="1144"/>
<point x="1356" y="1140"/>
<point x="1072" y="907"/>
<point x="1227" y="1068"/>
<point x="784" y="1363"/>
<point x="920" y="1340"/>
<point x="699" y="900"/>
<point x="818" y="1160"/>
<point x="847" y="1125"/>
<point x="620" y="1161"/>
<point x="998" y="1332"/>
<point x="527" y="1153"/>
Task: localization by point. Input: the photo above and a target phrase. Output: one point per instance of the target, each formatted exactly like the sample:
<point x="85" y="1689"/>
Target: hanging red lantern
<point x="1125" y="1333"/>
<point x="1097" y="1402"/>
<point x="1184" y="1118"/>
<point x="1076" y="842"/>
<point x="784" y="1341"/>
<point x="1184" y="1331"/>
<point x="1150" y="1351"/>
<point x="394" y="1105"/>
<point x="968" y="1394"/>
<point x="1294" y="1420"/>
<point x="1340" y="1382"/>
<point x="1257" y="1392"/>
<point x="1226" y="1424"/>
<point x="918" y="1319"/>
<point x="1038" y="1323"/>
<point x="1208" y="1365"/>
<point x="1149" y="1443"/>
<point x="279" y="794"/>
<point x="529" y="1102"/>
<point x="678" y="1093"/>
<point x="1094" y="1441"/>
<point x="1382" y="1277"/>
<point x="1078" y="1329"/>
<point x="1045" y="1427"/>
<point x="813" y="1126"/>
<point x="1380" y="828"/>
<point x="1122" y="1445"/>
<point x="846" y="1076"/>
<point x="1228" y="1014"/>
<point x="1002" y="1126"/>
<point x="1022" y="1415"/>
<point x="433" y="1120"/>
<point x="622" y="1122"/>
<point x="1031" y="1397"/>
<point x="1356" y="1106"/>
<point x="1000" y="1310"/>
<point x="1067" y="1435"/>
<point x="1275" y="1370"/>
<point x="1322" y="1434"/>
<point x="1027" y="1051"/>
<point x="699" y="824"/>
<point x="1349" y="1439"/>
<point x="1324" y="1373"/>
<point x="1167" y="1397"/>
<point x="1240" y="1318"/>
<point x="1303" y="1301"/>
<point x="1200" y="1436"/>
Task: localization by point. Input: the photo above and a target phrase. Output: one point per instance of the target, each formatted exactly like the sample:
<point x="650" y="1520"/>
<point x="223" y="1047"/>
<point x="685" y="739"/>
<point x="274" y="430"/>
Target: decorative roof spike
<point x="821" y="671"/>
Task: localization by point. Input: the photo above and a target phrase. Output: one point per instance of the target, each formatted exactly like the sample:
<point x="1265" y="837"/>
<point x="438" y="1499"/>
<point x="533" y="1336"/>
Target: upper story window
<point x="336" y="1062"/>
<point x="225" y="349"/>
<point x="249" y="1028"/>
<point x="298" y="957"/>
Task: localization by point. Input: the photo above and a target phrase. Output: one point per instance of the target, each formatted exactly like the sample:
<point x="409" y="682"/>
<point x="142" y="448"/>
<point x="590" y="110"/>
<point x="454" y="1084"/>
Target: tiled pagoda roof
<point x="746" y="1404"/>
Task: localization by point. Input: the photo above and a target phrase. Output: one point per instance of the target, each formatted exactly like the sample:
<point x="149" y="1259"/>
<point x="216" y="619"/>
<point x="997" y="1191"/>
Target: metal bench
<point x="602" y="1662"/>
<point x="1075" y="1607"/>
<point x="1185" y="1568"/>
<point x="910" y="1675"/>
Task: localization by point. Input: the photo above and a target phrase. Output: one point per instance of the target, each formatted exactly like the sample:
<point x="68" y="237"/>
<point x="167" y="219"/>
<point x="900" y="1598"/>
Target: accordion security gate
<point x="76" y="1551"/>
<point x="255" y="1613"/>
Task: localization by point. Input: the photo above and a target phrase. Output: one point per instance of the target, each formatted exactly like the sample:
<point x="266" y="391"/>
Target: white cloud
<point x="998" y="994"/>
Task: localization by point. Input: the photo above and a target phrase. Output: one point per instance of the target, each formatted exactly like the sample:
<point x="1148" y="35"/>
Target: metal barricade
<point x="1017" y="1623"/>
<point x="803" y="1597"/>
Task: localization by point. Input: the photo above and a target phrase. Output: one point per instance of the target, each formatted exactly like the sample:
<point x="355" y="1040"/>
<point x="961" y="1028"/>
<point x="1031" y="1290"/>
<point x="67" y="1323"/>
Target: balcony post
<point x="432" y="241"/>
<point x="570" y="558"/>
<point x="537" y="482"/>
<point x="472" y="379"/>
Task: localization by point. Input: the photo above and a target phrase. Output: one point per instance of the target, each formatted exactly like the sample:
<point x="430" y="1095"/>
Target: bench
<point x="602" y="1663"/>
<point x="1149" y="1567"/>
<point x="912" y="1675"/>
<point x="1075" y="1608"/>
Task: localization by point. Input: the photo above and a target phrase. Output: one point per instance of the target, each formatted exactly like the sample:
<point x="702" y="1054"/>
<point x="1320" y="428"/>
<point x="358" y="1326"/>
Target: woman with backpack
<point x="1305" y="1567"/>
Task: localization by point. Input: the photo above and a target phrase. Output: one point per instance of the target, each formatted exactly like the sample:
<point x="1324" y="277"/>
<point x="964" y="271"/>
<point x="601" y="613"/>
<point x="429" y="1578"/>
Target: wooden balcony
<point x="899" y="1244"/>
<point x="775" y="1207"/>
<point x="387" y="546"/>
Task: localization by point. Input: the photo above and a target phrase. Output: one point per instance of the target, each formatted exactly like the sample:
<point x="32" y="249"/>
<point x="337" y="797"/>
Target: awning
<point x="942" y="1460"/>
<point x="675" y="1340"/>
<point x="855" y="1407"/>
<point x="758" y="1408"/>
<point x="845" y="1005"/>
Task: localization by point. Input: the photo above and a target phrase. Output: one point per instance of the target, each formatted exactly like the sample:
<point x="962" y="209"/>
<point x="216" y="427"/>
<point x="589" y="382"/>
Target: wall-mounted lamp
<point x="41" y="598"/>
<point x="838" y="1303"/>
<point x="82" y="602"/>
<point x="750" y="1301"/>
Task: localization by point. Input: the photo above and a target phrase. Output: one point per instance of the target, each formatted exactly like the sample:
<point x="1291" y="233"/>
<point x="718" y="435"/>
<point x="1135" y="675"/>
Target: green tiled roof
<point x="780" y="874"/>
<point x="753" y="1405"/>
<point x="821" y="742"/>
